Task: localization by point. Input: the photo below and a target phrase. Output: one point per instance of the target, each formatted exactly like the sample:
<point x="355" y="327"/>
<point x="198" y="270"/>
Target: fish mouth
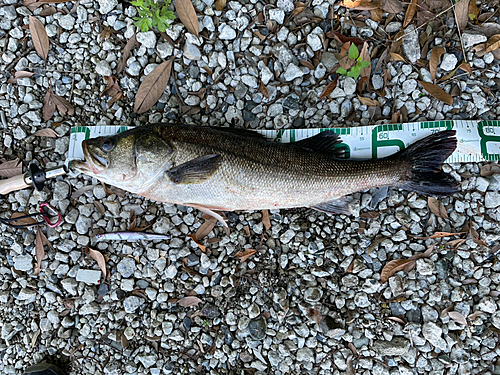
<point x="92" y="164"/>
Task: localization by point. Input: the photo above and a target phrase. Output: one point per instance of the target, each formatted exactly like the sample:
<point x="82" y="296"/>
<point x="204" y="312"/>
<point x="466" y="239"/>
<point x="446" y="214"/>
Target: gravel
<point x="312" y="292"/>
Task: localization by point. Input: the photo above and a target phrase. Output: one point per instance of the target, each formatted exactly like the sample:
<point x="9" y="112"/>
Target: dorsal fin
<point x="327" y="142"/>
<point x="240" y="131"/>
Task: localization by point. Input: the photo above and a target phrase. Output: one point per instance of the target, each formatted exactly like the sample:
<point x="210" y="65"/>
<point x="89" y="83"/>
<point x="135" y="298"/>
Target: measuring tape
<point x="477" y="140"/>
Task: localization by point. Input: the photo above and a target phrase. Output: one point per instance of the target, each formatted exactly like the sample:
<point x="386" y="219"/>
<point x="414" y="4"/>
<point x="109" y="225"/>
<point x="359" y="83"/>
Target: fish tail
<point x="426" y="158"/>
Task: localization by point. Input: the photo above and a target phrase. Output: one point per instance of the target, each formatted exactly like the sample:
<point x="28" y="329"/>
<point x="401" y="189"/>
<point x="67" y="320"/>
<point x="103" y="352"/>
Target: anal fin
<point x="338" y="206"/>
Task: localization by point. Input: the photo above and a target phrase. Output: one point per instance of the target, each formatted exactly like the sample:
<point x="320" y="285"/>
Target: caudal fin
<point x="426" y="157"/>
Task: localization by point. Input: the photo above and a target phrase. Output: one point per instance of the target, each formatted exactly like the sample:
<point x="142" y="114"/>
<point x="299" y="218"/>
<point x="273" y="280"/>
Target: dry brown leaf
<point x="457" y="317"/>
<point x="369" y="215"/>
<point x="47" y="132"/>
<point x="461" y="10"/>
<point x="436" y="54"/>
<point x="397" y="56"/>
<point x="100" y="207"/>
<point x="475" y="315"/>
<point x="396" y="319"/>
<point x="11" y="168"/>
<point x="40" y="242"/>
<point x="123" y="339"/>
<point x="220" y="4"/>
<point x="369" y="102"/>
<point x="39" y="37"/>
<point x="206" y="228"/>
<point x="490" y="169"/>
<point x="350" y="367"/>
<point x="189" y="301"/>
<point x="493" y="43"/>
<point x="263" y="90"/>
<point x="307" y="64"/>
<point x="392" y="6"/>
<point x="53" y="102"/>
<point x="202" y="247"/>
<point x="23" y="74"/>
<point x="440" y="235"/>
<point x="437" y="92"/>
<point x="329" y="88"/>
<point x="362" y="4"/>
<point x="437" y="208"/>
<point x="265" y="220"/>
<point x="473" y="10"/>
<point x="49" y="11"/>
<point x="364" y="55"/>
<point x="410" y="12"/>
<point x="187" y="15"/>
<point x="120" y="67"/>
<point x="244" y="255"/>
<point x="81" y="191"/>
<point x="392" y="267"/>
<point x="25" y="221"/>
<point x="151" y="89"/>
<point x="99" y="258"/>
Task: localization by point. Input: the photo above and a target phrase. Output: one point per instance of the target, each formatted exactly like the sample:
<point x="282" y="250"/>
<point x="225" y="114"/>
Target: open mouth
<point x="93" y="163"/>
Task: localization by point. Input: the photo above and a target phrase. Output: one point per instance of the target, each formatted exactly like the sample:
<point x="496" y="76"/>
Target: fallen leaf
<point x="475" y="315"/>
<point x="437" y="92"/>
<point x="307" y="64"/>
<point x="457" y="317"/>
<point x="23" y="74"/>
<point x="436" y="54"/>
<point x="392" y="6"/>
<point x="187" y="15"/>
<point x="493" y="43"/>
<point x="445" y="312"/>
<point x="81" y="191"/>
<point x="473" y="10"/>
<point x="123" y="339"/>
<point x="206" y="228"/>
<point x="369" y="215"/>
<point x="350" y="367"/>
<point x="153" y="86"/>
<point x="120" y="67"/>
<point x="397" y="57"/>
<point x="244" y="255"/>
<point x="39" y="37"/>
<point x="263" y="90"/>
<point x="265" y="219"/>
<point x="369" y="102"/>
<point x="202" y="247"/>
<point x="47" y="132"/>
<point x="25" y="221"/>
<point x="440" y="235"/>
<point x="364" y="55"/>
<point x="490" y="169"/>
<point x="189" y="301"/>
<point x="11" y="168"/>
<point x="40" y="242"/>
<point x="49" y="11"/>
<point x="392" y="267"/>
<point x="362" y="4"/>
<point x="437" y="208"/>
<point x="99" y="258"/>
<point x="220" y="4"/>
<point x="329" y="89"/>
<point x="53" y="102"/>
<point x="410" y="12"/>
<point x="396" y="319"/>
<point x="100" y="207"/>
<point x="344" y="39"/>
<point x="461" y="10"/>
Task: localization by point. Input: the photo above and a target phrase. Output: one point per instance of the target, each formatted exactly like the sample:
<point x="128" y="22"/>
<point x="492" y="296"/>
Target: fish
<point x="130" y="236"/>
<point x="225" y="169"/>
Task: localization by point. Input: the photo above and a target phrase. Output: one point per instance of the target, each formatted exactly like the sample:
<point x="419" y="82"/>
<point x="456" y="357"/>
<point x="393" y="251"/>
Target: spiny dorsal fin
<point x="241" y="132"/>
<point x="325" y="142"/>
<point x="194" y="171"/>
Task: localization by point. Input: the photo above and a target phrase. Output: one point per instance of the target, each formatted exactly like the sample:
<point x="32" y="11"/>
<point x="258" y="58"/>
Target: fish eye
<point x="107" y="145"/>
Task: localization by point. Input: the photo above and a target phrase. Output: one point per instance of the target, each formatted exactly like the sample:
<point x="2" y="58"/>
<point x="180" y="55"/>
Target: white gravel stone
<point x="277" y="14"/>
<point x="103" y="68"/>
<point x="147" y="39"/>
<point x="292" y="72"/>
<point x="106" y="6"/>
<point x="23" y="262"/>
<point x="90" y="277"/>
<point x="449" y="62"/>
<point x="226" y="32"/>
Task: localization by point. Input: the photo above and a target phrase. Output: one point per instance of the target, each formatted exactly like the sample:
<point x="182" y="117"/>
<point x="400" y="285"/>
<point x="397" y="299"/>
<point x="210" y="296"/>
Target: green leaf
<point x="342" y="71"/>
<point x="354" y="73"/>
<point x="170" y="15"/>
<point x="364" y="64"/>
<point x="137" y="3"/>
<point x="162" y="27"/>
<point x="353" y="52"/>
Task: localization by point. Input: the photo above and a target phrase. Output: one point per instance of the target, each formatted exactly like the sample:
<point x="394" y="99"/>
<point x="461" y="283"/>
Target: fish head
<point x="131" y="160"/>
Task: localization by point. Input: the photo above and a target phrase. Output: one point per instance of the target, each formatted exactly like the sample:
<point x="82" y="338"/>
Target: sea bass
<point x="224" y="169"/>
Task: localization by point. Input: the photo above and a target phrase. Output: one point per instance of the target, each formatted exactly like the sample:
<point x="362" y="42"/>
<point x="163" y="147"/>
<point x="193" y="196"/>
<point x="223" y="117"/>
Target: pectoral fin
<point x="337" y="206"/>
<point x="194" y="171"/>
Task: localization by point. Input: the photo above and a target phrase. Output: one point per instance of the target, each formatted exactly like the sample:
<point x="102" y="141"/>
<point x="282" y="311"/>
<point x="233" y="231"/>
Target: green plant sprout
<point x="355" y="71"/>
<point x="152" y="14"/>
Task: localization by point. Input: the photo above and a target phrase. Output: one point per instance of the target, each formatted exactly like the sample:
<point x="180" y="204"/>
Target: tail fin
<point x="426" y="157"/>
